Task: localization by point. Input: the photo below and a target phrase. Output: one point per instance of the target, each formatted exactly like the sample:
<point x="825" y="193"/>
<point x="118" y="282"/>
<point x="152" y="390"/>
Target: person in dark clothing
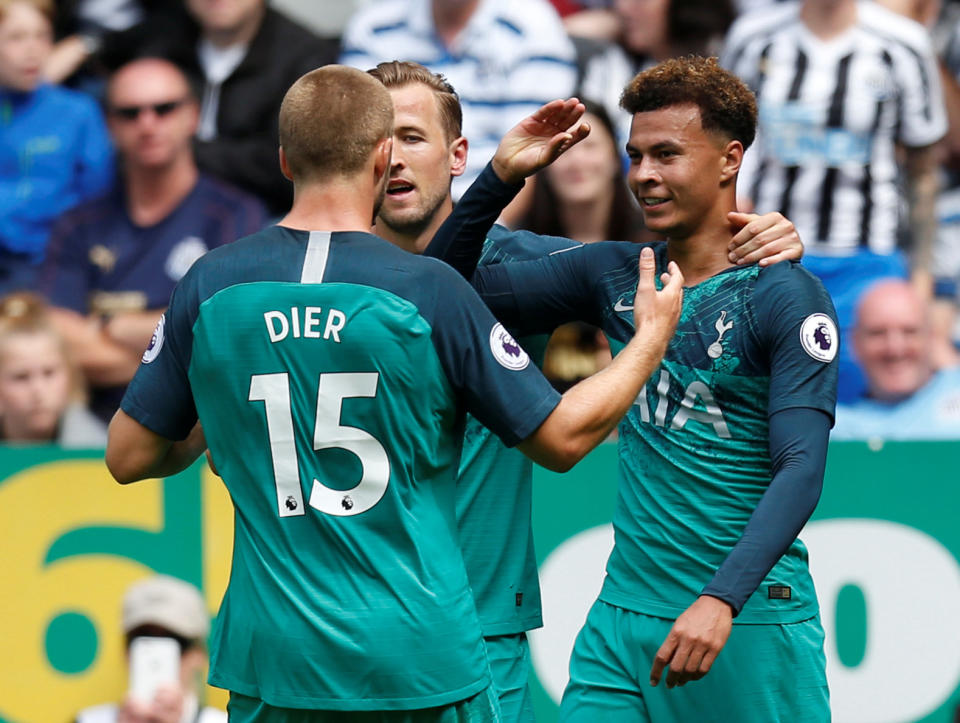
<point x="240" y="56"/>
<point x="244" y="56"/>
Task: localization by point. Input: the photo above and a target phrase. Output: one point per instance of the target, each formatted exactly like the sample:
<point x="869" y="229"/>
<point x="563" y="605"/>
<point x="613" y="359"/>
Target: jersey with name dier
<point x="332" y="374"/>
<point x="694" y="459"/>
<point x="496" y="538"/>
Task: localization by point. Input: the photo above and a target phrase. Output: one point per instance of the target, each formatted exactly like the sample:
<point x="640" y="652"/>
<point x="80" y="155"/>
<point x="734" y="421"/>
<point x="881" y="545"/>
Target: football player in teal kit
<point x="496" y="538"/>
<point x="332" y="372"/>
<point x="721" y="456"/>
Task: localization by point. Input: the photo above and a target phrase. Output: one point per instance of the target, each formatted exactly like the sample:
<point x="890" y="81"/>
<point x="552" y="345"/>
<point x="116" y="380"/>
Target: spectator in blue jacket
<point x="54" y="148"/>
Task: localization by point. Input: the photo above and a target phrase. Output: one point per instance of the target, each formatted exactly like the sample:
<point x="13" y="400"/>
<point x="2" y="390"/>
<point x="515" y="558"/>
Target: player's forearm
<point x="134" y="452"/>
<point x="798" y="442"/>
<point x="590" y="410"/>
<point x="923" y="186"/>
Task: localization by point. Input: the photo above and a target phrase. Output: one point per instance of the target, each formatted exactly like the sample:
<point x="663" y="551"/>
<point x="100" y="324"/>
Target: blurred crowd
<point x="135" y="135"/>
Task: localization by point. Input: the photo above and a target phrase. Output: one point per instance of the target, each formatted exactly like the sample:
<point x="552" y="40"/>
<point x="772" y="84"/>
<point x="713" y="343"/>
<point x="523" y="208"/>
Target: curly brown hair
<point x="727" y="106"/>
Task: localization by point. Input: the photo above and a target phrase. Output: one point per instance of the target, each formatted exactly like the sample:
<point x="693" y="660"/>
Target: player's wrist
<point x="505" y="172"/>
<point x="719" y="603"/>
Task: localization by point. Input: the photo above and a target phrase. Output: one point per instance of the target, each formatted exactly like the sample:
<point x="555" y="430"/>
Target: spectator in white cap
<point x="166" y="608"/>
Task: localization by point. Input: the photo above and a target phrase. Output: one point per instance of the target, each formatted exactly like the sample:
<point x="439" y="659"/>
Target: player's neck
<point x="154" y="193"/>
<point x="334" y="206"/>
<point x="703" y="253"/>
<point x="414" y="238"/>
<point x="828" y="18"/>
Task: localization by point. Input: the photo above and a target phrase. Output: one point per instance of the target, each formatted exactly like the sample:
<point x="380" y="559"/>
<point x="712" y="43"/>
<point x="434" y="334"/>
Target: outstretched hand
<point x="765" y="239"/>
<point x="539" y="139"/>
<point x="694" y="642"/>
<point x="656" y="313"/>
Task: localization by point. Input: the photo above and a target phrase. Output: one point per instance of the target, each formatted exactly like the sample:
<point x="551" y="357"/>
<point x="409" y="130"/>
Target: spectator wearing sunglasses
<point x="113" y="263"/>
<point x="54" y="149"/>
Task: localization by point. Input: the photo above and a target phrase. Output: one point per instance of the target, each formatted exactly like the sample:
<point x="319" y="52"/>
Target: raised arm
<point x="532" y="144"/>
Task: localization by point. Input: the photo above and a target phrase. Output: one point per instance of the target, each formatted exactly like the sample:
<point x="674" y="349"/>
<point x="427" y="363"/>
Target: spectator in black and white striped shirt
<point x="842" y="87"/>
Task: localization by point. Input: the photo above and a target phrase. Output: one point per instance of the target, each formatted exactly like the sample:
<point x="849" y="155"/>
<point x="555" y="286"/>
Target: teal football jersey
<point x="332" y="374"/>
<point x="694" y="453"/>
<point x="494" y="487"/>
<point x="694" y="457"/>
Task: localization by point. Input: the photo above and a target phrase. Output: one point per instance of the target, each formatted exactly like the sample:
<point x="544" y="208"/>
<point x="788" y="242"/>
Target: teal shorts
<point x="765" y="673"/>
<point x="481" y="708"/>
<point x="509" y="657"/>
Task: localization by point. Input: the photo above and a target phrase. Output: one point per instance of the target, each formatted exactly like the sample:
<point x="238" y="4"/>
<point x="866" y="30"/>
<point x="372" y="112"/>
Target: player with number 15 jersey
<point x="284" y="340"/>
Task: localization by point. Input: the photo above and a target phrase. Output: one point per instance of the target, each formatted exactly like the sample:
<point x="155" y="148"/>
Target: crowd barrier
<point x="884" y="547"/>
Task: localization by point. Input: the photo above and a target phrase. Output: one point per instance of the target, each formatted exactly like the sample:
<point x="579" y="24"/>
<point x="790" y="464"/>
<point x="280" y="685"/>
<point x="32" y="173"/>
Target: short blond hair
<point x="332" y="119"/>
<point x="45" y="7"/>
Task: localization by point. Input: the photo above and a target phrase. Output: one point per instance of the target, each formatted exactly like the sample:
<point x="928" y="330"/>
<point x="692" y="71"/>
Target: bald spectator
<point x="906" y="397"/>
<point x="113" y="263"/>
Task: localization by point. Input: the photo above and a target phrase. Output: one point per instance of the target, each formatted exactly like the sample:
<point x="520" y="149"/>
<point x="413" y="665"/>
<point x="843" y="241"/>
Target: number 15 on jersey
<point x="274" y="391"/>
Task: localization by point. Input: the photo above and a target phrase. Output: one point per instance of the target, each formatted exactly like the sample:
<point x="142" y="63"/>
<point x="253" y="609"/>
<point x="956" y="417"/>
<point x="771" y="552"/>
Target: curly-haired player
<point x="721" y="456"/>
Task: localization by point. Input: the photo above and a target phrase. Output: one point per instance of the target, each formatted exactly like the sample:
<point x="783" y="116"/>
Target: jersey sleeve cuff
<point x="532" y="420"/>
<point x="155" y="423"/>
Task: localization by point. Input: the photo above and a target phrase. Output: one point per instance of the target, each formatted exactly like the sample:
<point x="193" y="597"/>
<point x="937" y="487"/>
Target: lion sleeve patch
<point x="819" y="337"/>
<point x="506" y="350"/>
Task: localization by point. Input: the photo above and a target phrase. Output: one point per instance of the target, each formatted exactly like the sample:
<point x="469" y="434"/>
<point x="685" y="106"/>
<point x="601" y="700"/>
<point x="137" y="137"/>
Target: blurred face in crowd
<point x="644" y="25"/>
<point x="586" y="173"/>
<point x="424" y="160"/>
<point x="225" y="16"/>
<point x="892" y="340"/>
<point x="34" y="385"/>
<point x="678" y="170"/>
<point x="26" y="39"/>
<point x="151" y="114"/>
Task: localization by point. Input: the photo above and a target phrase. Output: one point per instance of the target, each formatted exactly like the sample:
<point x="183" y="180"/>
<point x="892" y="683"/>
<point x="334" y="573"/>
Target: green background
<point x="914" y="484"/>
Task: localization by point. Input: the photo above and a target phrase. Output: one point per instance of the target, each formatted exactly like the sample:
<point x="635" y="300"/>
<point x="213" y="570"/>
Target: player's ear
<point x="285" y="165"/>
<point x="381" y="158"/>
<point x="731" y="161"/>
<point x="458" y="156"/>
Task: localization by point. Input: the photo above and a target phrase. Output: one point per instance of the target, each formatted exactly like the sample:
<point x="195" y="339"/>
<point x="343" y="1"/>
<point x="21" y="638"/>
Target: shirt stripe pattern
<point x="315" y="259"/>
<point x="511" y="58"/>
<point x="831" y="115"/>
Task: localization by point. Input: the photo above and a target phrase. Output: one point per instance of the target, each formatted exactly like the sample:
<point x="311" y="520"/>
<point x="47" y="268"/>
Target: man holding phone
<point x="165" y="625"/>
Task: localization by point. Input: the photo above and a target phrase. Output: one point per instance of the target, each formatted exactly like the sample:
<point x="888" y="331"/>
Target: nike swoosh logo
<point x="620" y="306"/>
